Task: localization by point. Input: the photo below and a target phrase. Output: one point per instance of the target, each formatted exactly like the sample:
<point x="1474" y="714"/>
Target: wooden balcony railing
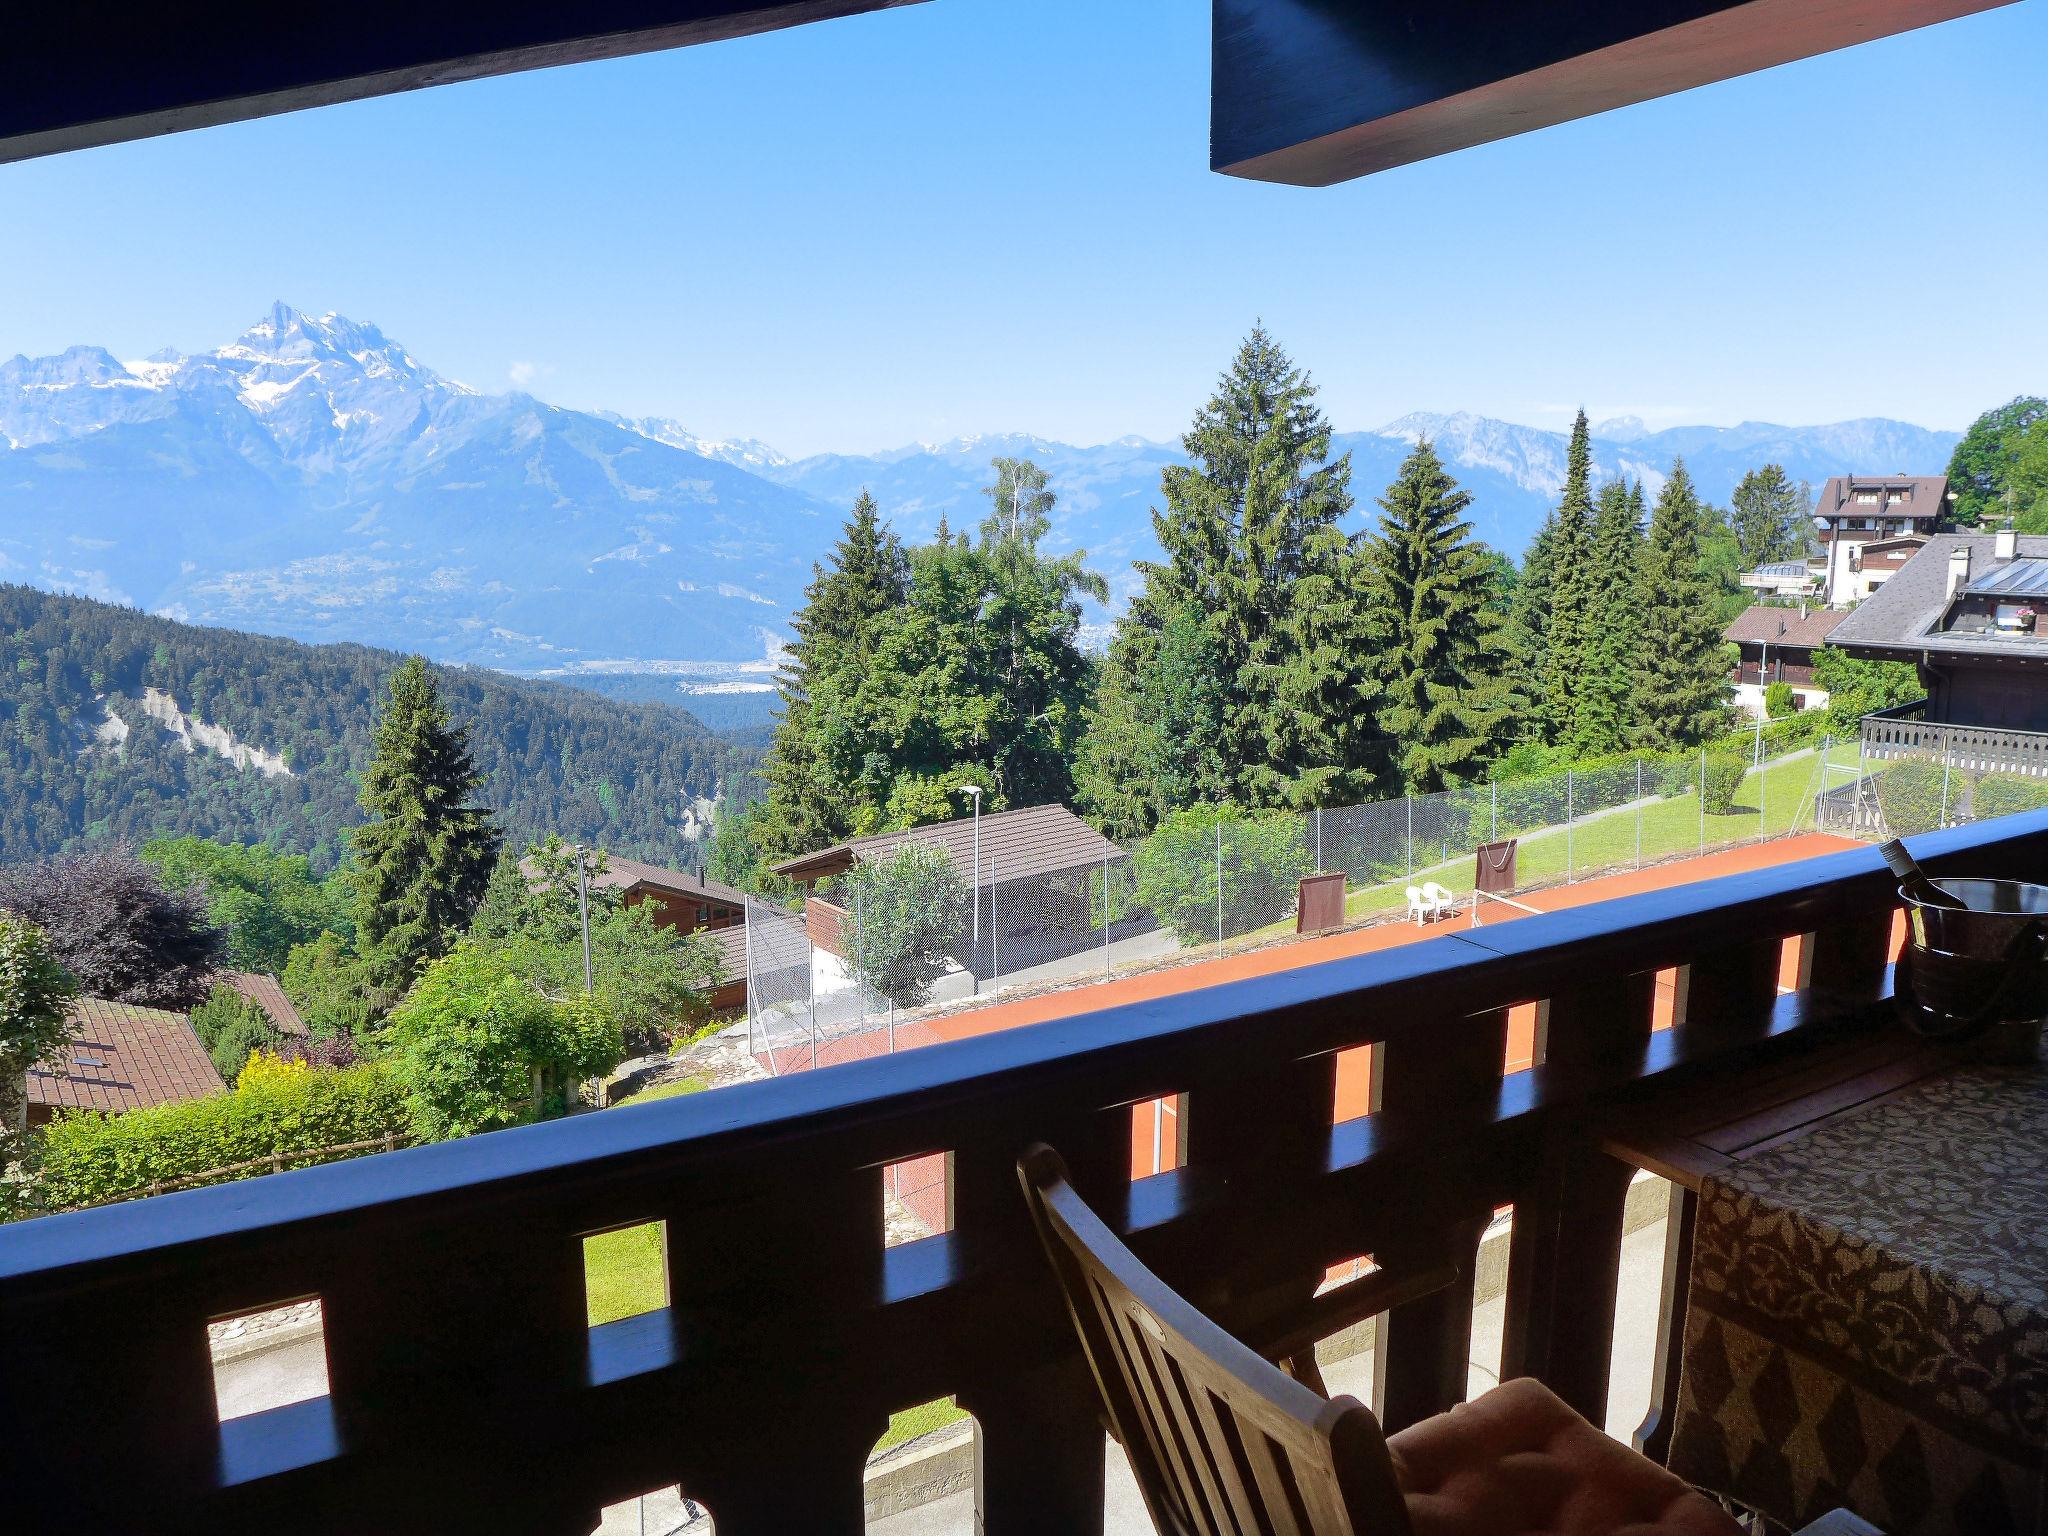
<point x="1900" y="733"/>
<point x="467" y="1392"/>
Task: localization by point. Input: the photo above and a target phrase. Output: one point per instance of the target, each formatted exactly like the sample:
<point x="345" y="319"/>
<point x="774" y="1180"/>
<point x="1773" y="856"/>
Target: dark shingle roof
<point x="1015" y="845"/>
<point x="123" y="1057"/>
<point x="1900" y="615"/>
<point x="1783" y="626"/>
<point x="1929" y="498"/>
<point x="624" y="874"/>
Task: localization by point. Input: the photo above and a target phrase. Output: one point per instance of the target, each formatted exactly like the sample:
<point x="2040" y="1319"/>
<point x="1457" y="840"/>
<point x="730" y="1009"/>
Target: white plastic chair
<point x="1417" y="907"/>
<point x="1439" y="900"/>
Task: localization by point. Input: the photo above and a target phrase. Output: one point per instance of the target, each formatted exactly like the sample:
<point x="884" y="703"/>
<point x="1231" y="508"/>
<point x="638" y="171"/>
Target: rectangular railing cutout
<point x="916" y="1203"/>
<point x="1354" y="1084"/>
<point x="667" y="1511"/>
<point x="625" y="1272"/>
<point x="268" y="1358"/>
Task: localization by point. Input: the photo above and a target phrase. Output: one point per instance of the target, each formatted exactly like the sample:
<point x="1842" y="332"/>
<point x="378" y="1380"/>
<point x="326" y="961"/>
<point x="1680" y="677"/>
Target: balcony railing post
<point x="1421" y="1366"/>
<point x="1653" y="1435"/>
<point x="1565" y="1254"/>
<point x="1038" y="1452"/>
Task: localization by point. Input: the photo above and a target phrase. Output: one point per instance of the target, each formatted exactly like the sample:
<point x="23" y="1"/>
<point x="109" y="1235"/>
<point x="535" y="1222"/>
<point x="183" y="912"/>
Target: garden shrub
<point x="1780" y="701"/>
<point x="1910" y="795"/>
<point x="1264" y="856"/>
<point x="2006" y="794"/>
<point x="231" y="1027"/>
<point x="1724" y="775"/>
<point x="474" y="1045"/>
<point x="904" y="917"/>
<point x="88" y="1158"/>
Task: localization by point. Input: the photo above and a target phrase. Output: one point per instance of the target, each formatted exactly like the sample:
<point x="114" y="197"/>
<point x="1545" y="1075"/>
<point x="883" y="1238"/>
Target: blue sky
<point x="995" y="215"/>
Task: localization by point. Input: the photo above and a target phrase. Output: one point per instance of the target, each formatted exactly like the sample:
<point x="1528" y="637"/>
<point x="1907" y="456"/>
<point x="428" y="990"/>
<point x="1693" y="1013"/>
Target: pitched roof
<point x="267" y="993"/>
<point x="123" y="1057"/>
<point x="1926" y="496"/>
<point x="624" y="874"/>
<point x="1901" y="615"/>
<point x="1782" y="626"/>
<point x="1015" y="845"/>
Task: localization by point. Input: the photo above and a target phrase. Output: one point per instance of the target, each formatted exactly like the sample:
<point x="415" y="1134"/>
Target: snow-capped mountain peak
<point x="746" y="452"/>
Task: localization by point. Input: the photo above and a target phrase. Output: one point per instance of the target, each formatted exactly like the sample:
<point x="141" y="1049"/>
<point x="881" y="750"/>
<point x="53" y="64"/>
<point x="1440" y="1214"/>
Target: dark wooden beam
<point x="92" y="72"/>
<point x="1312" y="92"/>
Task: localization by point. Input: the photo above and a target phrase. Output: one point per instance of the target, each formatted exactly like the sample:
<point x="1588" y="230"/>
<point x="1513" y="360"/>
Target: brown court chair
<point x="1223" y="1442"/>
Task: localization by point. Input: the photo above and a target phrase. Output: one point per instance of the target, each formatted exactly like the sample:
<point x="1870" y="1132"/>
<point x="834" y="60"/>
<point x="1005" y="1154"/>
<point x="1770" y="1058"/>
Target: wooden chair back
<point x="1222" y="1442"/>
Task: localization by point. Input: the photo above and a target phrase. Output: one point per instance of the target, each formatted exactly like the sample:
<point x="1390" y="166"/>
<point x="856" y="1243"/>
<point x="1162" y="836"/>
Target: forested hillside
<point x="120" y="725"/>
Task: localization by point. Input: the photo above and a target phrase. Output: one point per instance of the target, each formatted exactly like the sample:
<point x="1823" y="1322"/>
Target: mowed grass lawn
<point x="623" y="1277"/>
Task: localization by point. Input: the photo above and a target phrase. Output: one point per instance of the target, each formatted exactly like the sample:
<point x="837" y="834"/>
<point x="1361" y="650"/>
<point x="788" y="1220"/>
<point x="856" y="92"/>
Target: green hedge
<point x="88" y="1158"/>
<point x="2004" y="794"/>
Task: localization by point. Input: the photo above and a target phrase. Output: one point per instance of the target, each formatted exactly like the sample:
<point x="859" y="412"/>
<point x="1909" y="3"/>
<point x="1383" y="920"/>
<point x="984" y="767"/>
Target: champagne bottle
<point x="1913" y="882"/>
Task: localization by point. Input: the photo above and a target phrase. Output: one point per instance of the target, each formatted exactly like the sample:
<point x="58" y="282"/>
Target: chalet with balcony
<point x="685" y="902"/>
<point x="1776" y="645"/>
<point x="1967" y="612"/>
<point x="1870" y="526"/>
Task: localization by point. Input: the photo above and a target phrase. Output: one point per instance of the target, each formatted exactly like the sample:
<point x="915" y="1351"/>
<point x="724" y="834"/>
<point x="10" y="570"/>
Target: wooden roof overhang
<point x="93" y="72"/>
<point x="1312" y="92"/>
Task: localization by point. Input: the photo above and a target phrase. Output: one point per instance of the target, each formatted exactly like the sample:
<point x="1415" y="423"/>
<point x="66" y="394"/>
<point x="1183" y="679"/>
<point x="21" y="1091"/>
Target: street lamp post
<point x="974" y="884"/>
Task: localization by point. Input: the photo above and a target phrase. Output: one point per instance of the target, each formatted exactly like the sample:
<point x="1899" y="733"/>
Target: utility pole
<point x="974" y="885"/>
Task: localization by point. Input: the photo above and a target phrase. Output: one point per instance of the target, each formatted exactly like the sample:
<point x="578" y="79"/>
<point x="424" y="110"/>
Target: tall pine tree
<point x="425" y="855"/>
<point x="845" y="607"/>
<point x="1606" y="706"/>
<point x="1527" y="631"/>
<point x="1033" y="617"/>
<point x="1252" y="543"/>
<point x="1567" y="624"/>
<point x="1681" y="678"/>
<point x="1427" y="592"/>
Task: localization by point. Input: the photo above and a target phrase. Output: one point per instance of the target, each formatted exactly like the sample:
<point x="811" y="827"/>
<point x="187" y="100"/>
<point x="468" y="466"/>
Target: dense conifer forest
<point x="85" y="761"/>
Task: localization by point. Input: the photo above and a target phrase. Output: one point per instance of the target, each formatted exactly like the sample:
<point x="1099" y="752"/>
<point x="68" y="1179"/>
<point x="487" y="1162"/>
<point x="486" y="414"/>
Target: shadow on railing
<point x="466" y="1389"/>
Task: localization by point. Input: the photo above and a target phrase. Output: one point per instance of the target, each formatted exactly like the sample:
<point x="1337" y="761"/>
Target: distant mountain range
<point x="313" y="479"/>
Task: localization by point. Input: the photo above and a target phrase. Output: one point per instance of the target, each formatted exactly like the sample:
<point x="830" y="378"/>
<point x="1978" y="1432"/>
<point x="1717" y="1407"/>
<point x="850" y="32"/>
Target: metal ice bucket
<point x="1982" y="971"/>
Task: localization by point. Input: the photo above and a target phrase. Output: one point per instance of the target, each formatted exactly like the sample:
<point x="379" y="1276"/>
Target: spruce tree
<point x="423" y="859"/>
<point x="1567" y="611"/>
<point x="1152" y="731"/>
<point x="1769" y="516"/>
<point x="1681" y="678"/>
<point x="1251" y="538"/>
<point x="845" y="606"/>
<point x="1606" y="704"/>
<point x="1037" y="674"/>
<point x="1528" y="627"/>
<point x="1431" y="623"/>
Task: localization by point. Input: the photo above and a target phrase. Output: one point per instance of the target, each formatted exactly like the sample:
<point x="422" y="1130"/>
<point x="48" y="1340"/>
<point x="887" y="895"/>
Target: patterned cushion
<point x="1519" y="1461"/>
